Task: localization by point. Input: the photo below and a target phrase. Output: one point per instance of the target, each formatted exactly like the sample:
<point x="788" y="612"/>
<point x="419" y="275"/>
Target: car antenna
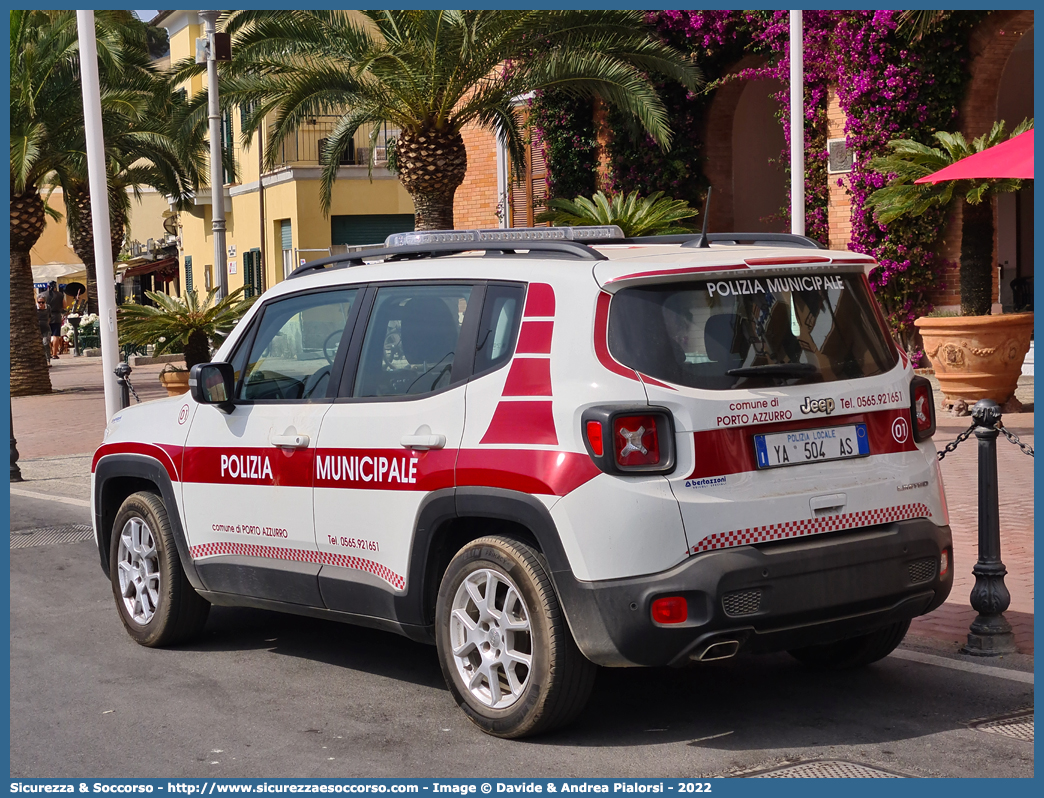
<point x="704" y="243"/>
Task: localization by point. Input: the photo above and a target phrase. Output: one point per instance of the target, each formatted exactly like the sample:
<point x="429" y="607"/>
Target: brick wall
<point x="475" y="203"/>
<point x="839" y="200"/>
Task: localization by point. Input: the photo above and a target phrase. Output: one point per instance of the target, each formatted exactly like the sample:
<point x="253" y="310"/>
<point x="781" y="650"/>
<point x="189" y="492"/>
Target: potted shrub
<point x="975" y="355"/>
<point x="182" y="325"/>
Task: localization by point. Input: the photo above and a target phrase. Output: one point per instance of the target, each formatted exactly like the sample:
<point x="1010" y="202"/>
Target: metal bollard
<point x="123" y="371"/>
<point x="16" y="472"/>
<point x="990" y="634"/>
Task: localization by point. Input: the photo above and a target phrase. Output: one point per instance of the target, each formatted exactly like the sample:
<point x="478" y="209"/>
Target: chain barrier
<point x="1011" y="436"/>
<point x="136" y="397"/>
<point x="956" y="442"/>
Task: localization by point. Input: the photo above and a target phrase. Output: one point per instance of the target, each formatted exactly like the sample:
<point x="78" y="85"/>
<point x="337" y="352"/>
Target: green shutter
<point x="227" y="141"/>
<point x="285" y="234"/>
<point x="188" y="273"/>
<point x="368" y="229"/>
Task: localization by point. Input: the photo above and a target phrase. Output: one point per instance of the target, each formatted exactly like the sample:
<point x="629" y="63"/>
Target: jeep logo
<point x="817" y="406"/>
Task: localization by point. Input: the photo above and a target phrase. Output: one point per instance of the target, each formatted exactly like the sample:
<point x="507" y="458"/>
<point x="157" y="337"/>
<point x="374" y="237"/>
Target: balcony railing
<point x="306" y="145"/>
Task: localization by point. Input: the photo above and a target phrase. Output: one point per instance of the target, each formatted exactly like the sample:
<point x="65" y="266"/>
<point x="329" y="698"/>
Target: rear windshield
<point x="751" y="332"/>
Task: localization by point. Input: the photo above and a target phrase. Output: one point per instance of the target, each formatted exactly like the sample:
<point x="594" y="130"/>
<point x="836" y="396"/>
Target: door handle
<point x="423" y="442"/>
<point x="290" y="441"/>
<point x="823" y="505"/>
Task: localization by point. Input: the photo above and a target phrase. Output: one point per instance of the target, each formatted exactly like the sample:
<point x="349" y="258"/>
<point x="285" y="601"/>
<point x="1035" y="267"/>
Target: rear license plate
<point x="811" y="445"/>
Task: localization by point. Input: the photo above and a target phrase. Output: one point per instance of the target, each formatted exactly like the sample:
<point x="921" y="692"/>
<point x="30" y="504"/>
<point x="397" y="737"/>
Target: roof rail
<point x="695" y="240"/>
<point x="569" y="248"/>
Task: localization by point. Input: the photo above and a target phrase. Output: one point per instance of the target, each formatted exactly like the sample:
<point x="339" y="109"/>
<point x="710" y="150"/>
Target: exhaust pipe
<point x="720" y="649"/>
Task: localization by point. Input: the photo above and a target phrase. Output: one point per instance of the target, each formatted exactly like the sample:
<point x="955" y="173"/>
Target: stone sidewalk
<point x="57" y="433"/>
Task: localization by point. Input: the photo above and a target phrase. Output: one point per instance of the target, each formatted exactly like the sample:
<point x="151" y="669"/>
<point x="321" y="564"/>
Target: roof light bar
<point x="605" y="232"/>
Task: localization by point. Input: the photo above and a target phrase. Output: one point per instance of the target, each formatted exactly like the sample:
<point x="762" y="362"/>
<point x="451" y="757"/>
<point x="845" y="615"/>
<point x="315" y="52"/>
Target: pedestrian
<point x="43" y="316"/>
<point x="55" y="304"/>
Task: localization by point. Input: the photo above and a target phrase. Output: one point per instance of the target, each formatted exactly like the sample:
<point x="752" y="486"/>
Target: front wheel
<point x="156" y="603"/>
<point x="505" y="649"/>
<point x="855" y="652"/>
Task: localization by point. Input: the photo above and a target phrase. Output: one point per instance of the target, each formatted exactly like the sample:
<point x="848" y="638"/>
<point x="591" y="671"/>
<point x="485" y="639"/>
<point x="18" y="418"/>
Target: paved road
<point x="263" y="694"/>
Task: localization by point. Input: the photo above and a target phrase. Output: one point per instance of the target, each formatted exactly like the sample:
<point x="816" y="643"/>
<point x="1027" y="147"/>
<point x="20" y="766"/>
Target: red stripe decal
<point x="653" y="381"/>
<point x="540" y="300"/>
<point x="522" y="422"/>
<point x="730" y="450"/>
<point x="291" y="468"/>
<point x="810" y="526"/>
<point x="385" y="469"/>
<point x="727" y="267"/>
<point x="601" y="339"/>
<point x="794" y="260"/>
<point x="535" y="338"/>
<point x="299" y="555"/>
<point x="554" y="473"/>
<point x="167" y="454"/>
<point x="529" y="376"/>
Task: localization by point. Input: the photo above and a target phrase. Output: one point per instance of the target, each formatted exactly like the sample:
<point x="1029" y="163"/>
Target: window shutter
<point x="529" y="190"/>
<point x="188" y="272"/>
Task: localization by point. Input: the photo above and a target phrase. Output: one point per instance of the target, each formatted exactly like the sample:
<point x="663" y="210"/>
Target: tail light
<point x="626" y="439"/>
<point x="670" y="609"/>
<point x="922" y="409"/>
<point x="944" y="562"/>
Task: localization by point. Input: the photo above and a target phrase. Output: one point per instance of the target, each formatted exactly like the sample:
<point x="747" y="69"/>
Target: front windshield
<point x="751" y="332"/>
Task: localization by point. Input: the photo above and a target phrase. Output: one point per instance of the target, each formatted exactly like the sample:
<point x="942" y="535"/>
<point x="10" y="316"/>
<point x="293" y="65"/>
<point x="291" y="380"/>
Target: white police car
<point x="544" y="450"/>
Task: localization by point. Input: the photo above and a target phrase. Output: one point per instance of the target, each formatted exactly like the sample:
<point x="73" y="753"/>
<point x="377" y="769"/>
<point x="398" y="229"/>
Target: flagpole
<point x="99" y="188"/>
<point x="797" y="126"/>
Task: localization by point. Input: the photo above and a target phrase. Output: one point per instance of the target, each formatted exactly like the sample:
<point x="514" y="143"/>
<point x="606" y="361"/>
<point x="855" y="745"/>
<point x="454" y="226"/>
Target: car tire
<point x="155" y="601"/>
<point x="512" y="665"/>
<point x="855" y="652"/>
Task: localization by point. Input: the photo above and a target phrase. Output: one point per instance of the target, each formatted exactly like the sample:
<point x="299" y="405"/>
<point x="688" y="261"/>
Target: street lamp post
<point x="217" y="180"/>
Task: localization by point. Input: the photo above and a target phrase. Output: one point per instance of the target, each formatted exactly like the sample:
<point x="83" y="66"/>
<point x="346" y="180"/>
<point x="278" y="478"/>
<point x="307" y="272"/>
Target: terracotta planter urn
<point x="977" y="357"/>
<point x="176" y="382"/>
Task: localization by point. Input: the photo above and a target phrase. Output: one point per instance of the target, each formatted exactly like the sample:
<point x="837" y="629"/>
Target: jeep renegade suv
<point x="544" y="450"/>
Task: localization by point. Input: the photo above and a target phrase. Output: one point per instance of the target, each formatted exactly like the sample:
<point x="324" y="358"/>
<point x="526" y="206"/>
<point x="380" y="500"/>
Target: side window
<point x="498" y="327"/>
<point x="411" y="340"/>
<point x="294" y="350"/>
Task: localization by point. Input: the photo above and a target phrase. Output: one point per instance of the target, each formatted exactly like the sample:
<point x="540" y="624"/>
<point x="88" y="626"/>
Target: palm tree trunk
<point x="29" y="375"/>
<point x="81" y="233"/>
<point x="433" y="210"/>
<point x="977" y="259"/>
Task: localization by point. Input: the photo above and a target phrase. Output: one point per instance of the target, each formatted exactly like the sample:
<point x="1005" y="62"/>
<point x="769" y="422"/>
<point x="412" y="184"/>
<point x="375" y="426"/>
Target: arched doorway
<point x="1015" y="211"/>
<point x="744" y="144"/>
<point x="759" y="182"/>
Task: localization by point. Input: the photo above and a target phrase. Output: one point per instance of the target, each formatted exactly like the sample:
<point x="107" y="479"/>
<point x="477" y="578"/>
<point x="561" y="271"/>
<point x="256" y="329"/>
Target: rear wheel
<point x="156" y="603"/>
<point x="855" y="652"/>
<point x="504" y="646"/>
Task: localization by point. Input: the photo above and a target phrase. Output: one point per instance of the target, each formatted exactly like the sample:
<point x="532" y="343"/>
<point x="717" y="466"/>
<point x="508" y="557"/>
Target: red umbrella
<point x="1011" y="158"/>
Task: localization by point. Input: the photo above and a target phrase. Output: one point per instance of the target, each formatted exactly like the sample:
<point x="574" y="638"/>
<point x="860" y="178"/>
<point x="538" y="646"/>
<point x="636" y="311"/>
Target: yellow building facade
<point x="273" y="218"/>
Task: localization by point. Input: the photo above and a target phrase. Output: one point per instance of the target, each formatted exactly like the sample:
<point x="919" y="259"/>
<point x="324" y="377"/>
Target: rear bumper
<point x="779" y="595"/>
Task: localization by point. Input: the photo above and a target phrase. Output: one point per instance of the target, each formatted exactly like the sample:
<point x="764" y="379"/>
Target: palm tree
<point x="139" y="146"/>
<point x="911" y="160"/>
<point x="43" y="84"/>
<point x="654" y="215"/>
<point x="429" y="73"/>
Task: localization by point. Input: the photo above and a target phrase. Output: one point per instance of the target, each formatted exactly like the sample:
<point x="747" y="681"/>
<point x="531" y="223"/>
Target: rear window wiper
<point x="775" y="369"/>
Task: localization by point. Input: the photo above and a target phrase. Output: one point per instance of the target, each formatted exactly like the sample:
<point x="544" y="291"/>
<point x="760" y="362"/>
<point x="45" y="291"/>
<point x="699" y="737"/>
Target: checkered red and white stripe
<point x="299" y="555"/>
<point x="810" y="526"/>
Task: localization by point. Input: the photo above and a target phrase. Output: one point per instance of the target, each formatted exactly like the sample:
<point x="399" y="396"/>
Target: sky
<point x="145" y="16"/>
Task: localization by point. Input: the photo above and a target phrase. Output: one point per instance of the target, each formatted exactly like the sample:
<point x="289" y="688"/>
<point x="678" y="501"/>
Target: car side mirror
<point x="213" y="384"/>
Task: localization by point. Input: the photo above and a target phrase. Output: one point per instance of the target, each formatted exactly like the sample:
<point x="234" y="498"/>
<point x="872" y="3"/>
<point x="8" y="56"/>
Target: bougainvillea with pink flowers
<point x="888" y="87"/>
